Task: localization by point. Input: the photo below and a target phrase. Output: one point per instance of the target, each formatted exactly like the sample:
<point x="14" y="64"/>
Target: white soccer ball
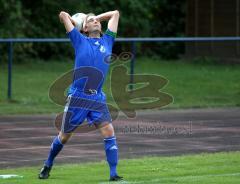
<point x="79" y="19"/>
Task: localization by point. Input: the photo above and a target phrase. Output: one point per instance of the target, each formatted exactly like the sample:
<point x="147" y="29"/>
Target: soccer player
<point x="86" y="100"/>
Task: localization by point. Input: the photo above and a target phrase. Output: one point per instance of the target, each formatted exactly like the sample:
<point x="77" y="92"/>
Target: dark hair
<point x="85" y="33"/>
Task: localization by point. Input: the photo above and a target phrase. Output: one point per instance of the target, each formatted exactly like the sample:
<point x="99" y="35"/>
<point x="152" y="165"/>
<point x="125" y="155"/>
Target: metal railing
<point x="11" y="41"/>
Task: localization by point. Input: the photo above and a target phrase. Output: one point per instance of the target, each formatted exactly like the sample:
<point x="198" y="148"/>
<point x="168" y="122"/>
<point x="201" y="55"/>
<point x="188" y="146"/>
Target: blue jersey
<point x="90" y="68"/>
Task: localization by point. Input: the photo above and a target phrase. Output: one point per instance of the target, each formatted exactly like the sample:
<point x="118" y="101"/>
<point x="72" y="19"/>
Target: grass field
<point x="191" y="84"/>
<point x="219" y="168"/>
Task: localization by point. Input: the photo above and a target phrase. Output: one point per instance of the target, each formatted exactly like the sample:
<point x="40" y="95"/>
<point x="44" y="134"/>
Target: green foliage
<point x="14" y="25"/>
<point x="39" y="19"/>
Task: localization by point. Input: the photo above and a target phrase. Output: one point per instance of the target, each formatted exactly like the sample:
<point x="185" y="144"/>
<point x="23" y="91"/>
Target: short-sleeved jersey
<point x="91" y="55"/>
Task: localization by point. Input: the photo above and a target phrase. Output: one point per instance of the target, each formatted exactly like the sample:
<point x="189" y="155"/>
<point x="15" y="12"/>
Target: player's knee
<point x="109" y="134"/>
<point x="108" y="130"/>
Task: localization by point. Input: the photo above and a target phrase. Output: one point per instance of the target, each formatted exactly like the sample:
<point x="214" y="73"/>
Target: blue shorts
<point x="81" y="106"/>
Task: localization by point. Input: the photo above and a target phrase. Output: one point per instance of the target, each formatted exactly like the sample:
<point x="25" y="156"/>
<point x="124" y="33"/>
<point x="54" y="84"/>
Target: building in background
<point x="213" y="18"/>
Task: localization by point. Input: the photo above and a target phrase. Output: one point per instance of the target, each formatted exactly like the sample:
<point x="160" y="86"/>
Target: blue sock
<point x="56" y="147"/>
<point x="111" y="150"/>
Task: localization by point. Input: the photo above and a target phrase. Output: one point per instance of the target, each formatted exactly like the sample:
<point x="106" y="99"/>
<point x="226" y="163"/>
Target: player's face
<point x="93" y="24"/>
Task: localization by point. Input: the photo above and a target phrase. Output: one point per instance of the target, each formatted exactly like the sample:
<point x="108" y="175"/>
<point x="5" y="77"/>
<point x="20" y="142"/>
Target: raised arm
<point x="66" y="19"/>
<point x="112" y="17"/>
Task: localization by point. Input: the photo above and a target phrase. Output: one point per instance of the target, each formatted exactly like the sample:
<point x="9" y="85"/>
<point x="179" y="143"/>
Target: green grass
<point x="217" y="168"/>
<point x="191" y="85"/>
<point x="197" y="85"/>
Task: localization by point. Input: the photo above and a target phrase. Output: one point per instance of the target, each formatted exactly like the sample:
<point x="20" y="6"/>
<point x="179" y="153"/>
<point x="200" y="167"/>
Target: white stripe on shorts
<point x="65" y="112"/>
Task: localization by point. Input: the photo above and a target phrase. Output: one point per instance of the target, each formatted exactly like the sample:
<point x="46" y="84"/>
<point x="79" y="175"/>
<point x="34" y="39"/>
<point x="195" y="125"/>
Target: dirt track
<point x="25" y="140"/>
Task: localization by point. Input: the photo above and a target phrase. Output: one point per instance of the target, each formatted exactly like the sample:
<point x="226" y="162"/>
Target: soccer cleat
<point x="44" y="173"/>
<point x="116" y="178"/>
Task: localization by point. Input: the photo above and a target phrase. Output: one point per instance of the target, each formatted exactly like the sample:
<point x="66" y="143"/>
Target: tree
<point x="39" y="19"/>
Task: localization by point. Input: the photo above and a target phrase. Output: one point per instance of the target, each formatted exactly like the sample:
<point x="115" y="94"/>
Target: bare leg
<point x="64" y="137"/>
<point x="106" y="129"/>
